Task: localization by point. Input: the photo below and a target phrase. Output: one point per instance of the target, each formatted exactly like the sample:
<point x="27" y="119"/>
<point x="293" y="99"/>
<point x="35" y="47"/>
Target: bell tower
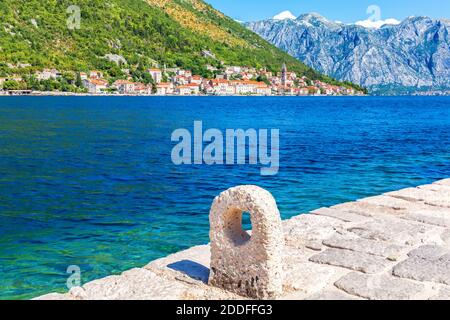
<point x="283" y="75"/>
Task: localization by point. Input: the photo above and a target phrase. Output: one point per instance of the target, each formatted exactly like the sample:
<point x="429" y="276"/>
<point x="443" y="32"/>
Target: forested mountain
<point x="131" y="34"/>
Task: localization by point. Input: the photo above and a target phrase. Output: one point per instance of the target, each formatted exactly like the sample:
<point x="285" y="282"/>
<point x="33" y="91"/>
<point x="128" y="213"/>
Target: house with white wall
<point x="156" y="75"/>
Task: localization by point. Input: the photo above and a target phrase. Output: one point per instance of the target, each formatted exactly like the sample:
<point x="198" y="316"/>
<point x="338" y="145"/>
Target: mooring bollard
<point x="249" y="265"/>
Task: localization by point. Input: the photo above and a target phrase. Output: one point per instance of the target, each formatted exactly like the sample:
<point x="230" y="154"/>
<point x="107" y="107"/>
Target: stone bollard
<point x="249" y="265"/>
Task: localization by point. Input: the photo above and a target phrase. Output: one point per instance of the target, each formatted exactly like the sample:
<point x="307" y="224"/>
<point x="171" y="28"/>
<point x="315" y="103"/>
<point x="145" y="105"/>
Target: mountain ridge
<point x="409" y="57"/>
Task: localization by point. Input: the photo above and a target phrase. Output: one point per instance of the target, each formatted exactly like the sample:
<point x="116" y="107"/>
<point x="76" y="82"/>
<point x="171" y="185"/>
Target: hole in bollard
<point x="246" y="221"/>
<point x="234" y="226"/>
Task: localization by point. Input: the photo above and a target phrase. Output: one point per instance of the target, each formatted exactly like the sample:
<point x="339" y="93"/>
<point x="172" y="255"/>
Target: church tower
<point x="283" y="75"/>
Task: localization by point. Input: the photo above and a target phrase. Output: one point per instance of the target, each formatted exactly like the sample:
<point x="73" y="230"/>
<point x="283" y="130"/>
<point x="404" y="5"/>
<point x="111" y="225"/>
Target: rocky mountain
<point x="113" y="35"/>
<point x="404" y="58"/>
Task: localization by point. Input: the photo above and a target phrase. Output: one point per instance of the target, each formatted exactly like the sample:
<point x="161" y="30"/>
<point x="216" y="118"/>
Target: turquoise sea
<point x="89" y="181"/>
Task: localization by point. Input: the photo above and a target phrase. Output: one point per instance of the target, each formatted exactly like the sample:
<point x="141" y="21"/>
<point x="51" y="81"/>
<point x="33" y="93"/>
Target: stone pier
<point x="392" y="246"/>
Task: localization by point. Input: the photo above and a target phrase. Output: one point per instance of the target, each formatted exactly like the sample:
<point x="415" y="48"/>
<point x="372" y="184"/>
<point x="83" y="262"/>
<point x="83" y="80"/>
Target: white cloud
<point x="376" y="24"/>
<point x="284" y="15"/>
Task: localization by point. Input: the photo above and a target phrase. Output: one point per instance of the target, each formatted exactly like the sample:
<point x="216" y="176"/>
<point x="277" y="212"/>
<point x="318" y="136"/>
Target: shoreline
<point x="392" y="246"/>
<point x="71" y="94"/>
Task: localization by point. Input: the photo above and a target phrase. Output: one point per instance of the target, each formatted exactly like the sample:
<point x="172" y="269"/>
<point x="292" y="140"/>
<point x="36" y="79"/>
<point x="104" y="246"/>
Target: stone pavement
<point x="392" y="246"/>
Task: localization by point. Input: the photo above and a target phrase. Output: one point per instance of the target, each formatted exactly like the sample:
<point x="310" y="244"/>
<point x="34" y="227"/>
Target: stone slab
<point x="430" y="197"/>
<point x="344" y="216"/>
<point x="373" y="247"/>
<point x="429" y="252"/>
<point x="307" y="278"/>
<point x="393" y="230"/>
<point x="443" y="294"/>
<point x="331" y="294"/>
<point x="368" y="209"/>
<point x="431" y="218"/>
<point x="309" y="230"/>
<point x="425" y="264"/>
<point x="357" y="261"/>
<point x="435" y="187"/>
<point x="445" y="237"/>
<point x="380" y="287"/>
<point x="393" y="202"/>
<point x="138" y="284"/>
<point x="445" y="182"/>
<point x="191" y="265"/>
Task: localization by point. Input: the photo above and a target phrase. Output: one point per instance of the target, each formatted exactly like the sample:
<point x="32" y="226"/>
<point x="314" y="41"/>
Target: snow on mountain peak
<point x="371" y="24"/>
<point x="284" y="16"/>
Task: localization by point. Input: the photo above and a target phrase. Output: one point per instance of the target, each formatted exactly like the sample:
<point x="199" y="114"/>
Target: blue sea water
<point x="89" y="181"/>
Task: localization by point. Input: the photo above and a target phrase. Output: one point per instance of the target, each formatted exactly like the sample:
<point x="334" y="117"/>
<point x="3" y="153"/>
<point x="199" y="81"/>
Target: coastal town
<point x="230" y="81"/>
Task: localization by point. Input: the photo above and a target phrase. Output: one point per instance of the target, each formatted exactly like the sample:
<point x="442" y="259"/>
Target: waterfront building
<point x="95" y="86"/>
<point x="95" y="74"/>
<point x="124" y="86"/>
<point x="196" y="80"/>
<point x="156" y="74"/>
<point x="164" y="88"/>
<point x="47" y="74"/>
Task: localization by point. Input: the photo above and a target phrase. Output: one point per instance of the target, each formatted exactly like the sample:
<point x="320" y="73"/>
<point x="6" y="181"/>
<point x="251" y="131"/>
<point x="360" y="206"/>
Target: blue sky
<point x="347" y="11"/>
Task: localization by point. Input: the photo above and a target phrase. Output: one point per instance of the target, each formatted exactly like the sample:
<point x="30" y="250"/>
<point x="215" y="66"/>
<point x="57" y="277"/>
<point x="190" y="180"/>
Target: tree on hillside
<point x="264" y="79"/>
<point x="69" y="77"/>
<point x="12" y="85"/>
<point x="78" y="81"/>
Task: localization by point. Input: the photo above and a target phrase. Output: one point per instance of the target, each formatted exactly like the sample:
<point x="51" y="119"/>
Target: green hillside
<point x="144" y="32"/>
